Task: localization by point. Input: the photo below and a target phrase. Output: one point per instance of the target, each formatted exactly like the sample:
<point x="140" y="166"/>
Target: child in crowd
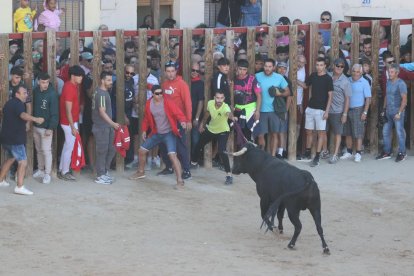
<point x="49" y="19"/>
<point x="23" y="17"/>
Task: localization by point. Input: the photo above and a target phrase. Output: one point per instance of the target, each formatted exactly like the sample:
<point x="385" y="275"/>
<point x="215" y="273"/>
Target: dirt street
<point x="147" y="228"/>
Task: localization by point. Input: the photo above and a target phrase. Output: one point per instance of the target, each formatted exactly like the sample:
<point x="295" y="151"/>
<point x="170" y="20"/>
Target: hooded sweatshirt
<point x="46" y="105"/>
<point x="179" y="93"/>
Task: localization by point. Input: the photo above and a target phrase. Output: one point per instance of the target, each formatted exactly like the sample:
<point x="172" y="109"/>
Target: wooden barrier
<point x="4" y="76"/>
<point x="293" y="76"/>
<point x="208" y="153"/>
<point x="411" y="103"/>
<point x="355" y="43"/>
<point x="142" y="94"/>
<point x="334" y="55"/>
<point x="251" y="47"/>
<point x="373" y="120"/>
<point x="120" y="88"/>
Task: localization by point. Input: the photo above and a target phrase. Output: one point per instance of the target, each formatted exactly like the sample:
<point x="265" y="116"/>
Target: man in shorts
<point x="13" y="138"/>
<point x="160" y="121"/>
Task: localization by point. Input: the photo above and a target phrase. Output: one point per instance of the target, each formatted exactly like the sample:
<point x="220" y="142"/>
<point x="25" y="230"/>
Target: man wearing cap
<point x="358" y="112"/>
<point x="177" y="90"/>
<point x="271" y="122"/>
<point x="69" y="110"/>
<point x="338" y="113"/>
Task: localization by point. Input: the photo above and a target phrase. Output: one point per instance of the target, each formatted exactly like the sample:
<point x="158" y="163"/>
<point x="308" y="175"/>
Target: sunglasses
<point x="339" y="66"/>
<point x="129" y="73"/>
<point x="171" y="64"/>
<point x="325" y="19"/>
<point x="36" y="56"/>
<point x="158" y="93"/>
<point x="196" y="71"/>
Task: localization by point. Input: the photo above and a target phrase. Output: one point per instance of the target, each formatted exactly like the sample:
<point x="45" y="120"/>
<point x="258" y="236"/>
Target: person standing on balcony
<point x="251" y="13"/>
<point x="229" y="14"/>
<point x="23" y="17"/>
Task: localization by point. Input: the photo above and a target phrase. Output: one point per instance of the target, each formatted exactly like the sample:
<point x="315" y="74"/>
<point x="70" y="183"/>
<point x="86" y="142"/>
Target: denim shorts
<point x="168" y="139"/>
<point x="17" y="152"/>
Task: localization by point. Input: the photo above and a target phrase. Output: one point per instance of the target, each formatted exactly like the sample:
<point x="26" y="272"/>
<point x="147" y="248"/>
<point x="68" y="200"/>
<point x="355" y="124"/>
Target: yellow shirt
<point x="219" y="117"/>
<point x="23" y="20"/>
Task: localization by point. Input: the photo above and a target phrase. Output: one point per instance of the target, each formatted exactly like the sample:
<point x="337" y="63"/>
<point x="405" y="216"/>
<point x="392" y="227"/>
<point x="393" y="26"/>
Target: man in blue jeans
<point x="13" y="137"/>
<point x="394" y="104"/>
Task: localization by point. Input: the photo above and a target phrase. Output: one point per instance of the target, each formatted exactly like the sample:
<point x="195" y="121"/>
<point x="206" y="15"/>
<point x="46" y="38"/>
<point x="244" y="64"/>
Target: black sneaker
<point x="315" y="162"/>
<point x="194" y="165"/>
<point x="400" y="157"/>
<point x="229" y="180"/>
<point x="166" y="171"/>
<point x="383" y="156"/>
<point x="186" y="175"/>
<point x="285" y="154"/>
<point x="279" y="156"/>
<point x="305" y="158"/>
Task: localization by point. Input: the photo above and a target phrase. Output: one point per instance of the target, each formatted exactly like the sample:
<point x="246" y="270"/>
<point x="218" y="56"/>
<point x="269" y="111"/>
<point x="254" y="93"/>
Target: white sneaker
<point x="109" y="177"/>
<point x="22" y="191"/>
<point x="102" y="180"/>
<point x="4" y="183"/>
<point x="346" y="155"/>
<point x="46" y="179"/>
<point x="358" y="158"/>
<point x="39" y="174"/>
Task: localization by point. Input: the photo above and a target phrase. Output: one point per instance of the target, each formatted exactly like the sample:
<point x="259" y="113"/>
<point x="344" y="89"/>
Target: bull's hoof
<point x="291" y="246"/>
<point x="280" y="231"/>
<point x="326" y="251"/>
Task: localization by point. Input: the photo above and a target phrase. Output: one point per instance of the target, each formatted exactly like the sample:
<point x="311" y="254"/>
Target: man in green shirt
<point x="218" y="129"/>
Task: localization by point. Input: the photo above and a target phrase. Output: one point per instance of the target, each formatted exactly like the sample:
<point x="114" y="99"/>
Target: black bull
<point x="280" y="186"/>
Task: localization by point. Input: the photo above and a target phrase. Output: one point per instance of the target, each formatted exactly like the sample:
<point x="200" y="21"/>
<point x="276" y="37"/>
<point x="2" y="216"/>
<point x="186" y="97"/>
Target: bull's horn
<point x="240" y="152"/>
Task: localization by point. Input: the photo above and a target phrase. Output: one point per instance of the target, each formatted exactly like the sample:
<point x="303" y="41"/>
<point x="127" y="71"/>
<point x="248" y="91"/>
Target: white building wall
<point x="119" y="14"/>
<point x="6" y="16"/>
<point x="188" y="13"/>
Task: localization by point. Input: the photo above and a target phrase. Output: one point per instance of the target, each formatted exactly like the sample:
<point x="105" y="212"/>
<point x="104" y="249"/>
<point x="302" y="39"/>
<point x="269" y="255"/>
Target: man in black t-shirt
<point x="197" y="101"/>
<point x="318" y="108"/>
<point x="220" y="80"/>
<point x="13" y="137"/>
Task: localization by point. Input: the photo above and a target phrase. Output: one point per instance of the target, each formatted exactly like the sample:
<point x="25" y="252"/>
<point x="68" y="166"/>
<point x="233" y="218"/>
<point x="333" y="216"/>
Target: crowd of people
<point x="339" y="102"/>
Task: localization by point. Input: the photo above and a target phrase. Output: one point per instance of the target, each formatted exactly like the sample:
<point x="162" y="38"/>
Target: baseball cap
<point x="282" y="64"/>
<point x="86" y="55"/>
<point x="339" y="61"/>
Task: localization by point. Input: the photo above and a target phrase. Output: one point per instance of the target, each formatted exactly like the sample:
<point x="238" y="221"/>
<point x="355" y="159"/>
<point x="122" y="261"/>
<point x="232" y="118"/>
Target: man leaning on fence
<point x="13" y="138"/>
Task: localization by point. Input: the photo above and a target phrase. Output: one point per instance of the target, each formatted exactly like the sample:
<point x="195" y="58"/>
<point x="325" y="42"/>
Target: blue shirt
<point x="266" y="82"/>
<point x="360" y="91"/>
<point x="251" y="14"/>
<point x="395" y="90"/>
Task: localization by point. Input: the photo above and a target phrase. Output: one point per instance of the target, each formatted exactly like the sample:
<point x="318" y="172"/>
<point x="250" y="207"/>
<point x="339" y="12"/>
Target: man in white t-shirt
<point x="301" y="76"/>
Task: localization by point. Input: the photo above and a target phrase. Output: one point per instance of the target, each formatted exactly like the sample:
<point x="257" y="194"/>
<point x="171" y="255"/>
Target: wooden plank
<point x="4" y="76"/>
<point x="186" y="65"/>
<point x="334" y="54"/>
<point x="230" y="57"/>
<point x="51" y="70"/>
<point x="120" y="87"/>
<point x="74" y="47"/>
<point x="251" y="49"/>
<point x="165" y="50"/>
<point x="355" y="43"/>
<point x="272" y="43"/>
<point x="411" y="103"/>
<point x="207" y="87"/>
<point x="28" y="81"/>
<point x="293" y="76"/>
<point x="142" y="72"/>
<point x="97" y="59"/>
<point x="395" y="40"/>
<point x="155" y="13"/>
<point x="373" y="120"/>
<point x="314" y="29"/>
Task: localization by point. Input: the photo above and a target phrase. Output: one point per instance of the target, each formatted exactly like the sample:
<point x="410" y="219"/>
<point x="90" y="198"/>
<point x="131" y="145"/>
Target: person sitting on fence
<point x="23" y="17"/>
<point x="46" y="106"/>
<point x="13" y="138"/>
<point x="393" y="114"/>
<point x="69" y="111"/>
<point x="49" y="19"/>
<point x="217" y="129"/>
<point x="159" y="125"/>
<point x="247" y="99"/>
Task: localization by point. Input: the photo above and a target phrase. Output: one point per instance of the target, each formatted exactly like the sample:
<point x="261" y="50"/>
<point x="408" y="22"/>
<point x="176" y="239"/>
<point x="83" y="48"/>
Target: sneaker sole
<point x="137" y="177"/>
<point x="20" y="193"/>
<point x="307" y="161"/>
<point x="385" y="158"/>
<point x="103" y="183"/>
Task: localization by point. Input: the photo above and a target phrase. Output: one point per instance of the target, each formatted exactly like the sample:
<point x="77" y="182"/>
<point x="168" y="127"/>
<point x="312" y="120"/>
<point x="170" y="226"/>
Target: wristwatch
<point x="366" y="113"/>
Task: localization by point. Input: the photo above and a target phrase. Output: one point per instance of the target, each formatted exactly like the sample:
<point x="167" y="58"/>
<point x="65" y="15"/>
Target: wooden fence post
<point x="120" y="87"/>
<point x="208" y="44"/>
<point x="272" y="42"/>
<point x="230" y="57"/>
<point x="28" y="81"/>
<point x="51" y="69"/>
<point x="293" y="76"/>
<point x="155" y="13"/>
<point x="186" y="67"/>
<point x="251" y="49"/>
<point x="395" y="40"/>
<point x="74" y="48"/>
<point x="412" y="95"/>
<point x="4" y="76"/>
<point x="313" y="54"/>
<point x="355" y="43"/>
<point x="165" y="50"/>
<point x="373" y="120"/>
<point x="142" y="94"/>
<point x="97" y="58"/>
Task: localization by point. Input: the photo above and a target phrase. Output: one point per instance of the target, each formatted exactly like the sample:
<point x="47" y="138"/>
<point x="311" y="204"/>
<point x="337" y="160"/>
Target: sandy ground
<point x="147" y="228"/>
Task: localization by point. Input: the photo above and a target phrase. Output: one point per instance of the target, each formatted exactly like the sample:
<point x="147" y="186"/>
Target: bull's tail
<point x="272" y="211"/>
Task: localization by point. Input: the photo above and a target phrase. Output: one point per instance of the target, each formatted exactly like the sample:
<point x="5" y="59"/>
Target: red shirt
<point x="179" y="92"/>
<point x="70" y="93"/>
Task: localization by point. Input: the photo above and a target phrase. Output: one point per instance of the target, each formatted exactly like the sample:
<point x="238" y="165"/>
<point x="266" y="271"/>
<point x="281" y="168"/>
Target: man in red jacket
<point x="161" y="118"/>
<point x="177" y="90"/>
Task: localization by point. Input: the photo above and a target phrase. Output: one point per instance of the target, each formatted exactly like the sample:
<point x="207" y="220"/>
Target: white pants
<point x="66" y="156"/>
<point x="43" y="146"/>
